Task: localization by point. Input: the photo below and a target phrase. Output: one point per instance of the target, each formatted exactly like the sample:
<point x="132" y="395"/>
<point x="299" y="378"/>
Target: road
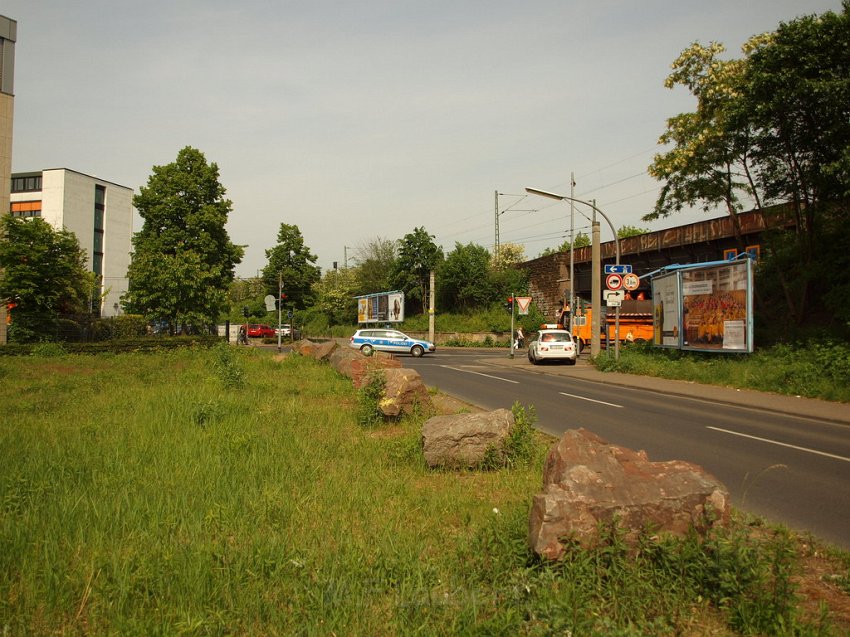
<point x="794" y="470"/>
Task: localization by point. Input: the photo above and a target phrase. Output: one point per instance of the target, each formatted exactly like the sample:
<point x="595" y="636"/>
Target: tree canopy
<point x="417" y="256"/>
<point x="771" y="131"/>
<point x="43" y="272"/>
<point x="183" y="260"/>
<point x="292" y="262"/>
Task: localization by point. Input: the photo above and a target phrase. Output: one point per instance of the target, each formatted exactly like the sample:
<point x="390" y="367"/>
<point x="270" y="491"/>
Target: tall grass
<point x="813" y="370"/>
<point x="200" y="492"/>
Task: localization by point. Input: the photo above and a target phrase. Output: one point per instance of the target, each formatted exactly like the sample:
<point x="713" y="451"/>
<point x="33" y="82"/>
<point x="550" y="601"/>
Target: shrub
<point x="369" y="396"/>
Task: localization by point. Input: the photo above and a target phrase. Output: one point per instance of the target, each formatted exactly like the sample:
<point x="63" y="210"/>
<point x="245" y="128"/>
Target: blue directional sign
<point x="618" y="269"/>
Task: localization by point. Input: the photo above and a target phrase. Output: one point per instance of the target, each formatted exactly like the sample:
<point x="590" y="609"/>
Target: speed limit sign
<point x="631" y="281"/>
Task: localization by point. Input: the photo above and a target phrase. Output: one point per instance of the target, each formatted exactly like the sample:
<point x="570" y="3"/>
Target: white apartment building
<point x="98" y="212"/>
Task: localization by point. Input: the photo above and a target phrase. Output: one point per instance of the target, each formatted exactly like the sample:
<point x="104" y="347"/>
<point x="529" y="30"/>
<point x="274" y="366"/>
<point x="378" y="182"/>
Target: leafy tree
<point x="183" y="260"/>
<point x="291" y="261"/>
<point x="630" y="231"/>
<point x="334" y="295"/>
<point x="771" y="128"/>
<point x="464" y="279"/>
<point x="375" y="265"/>
<point x="417" y="256"/>
<point x="581" y="240"/>
<point x="510" y="254"/>
<point x="43" y="272"/>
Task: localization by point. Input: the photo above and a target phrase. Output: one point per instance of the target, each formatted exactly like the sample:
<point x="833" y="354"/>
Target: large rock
<point x="361" y="367"/>
<point x="588" y="482"/>
<point x="320" y="351"/>
<point x="404" y="393"/>
<point x="463" y="440"/>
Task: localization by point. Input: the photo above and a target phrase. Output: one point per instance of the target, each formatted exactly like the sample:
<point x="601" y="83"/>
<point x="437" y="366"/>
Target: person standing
<point x="520" y="338"/>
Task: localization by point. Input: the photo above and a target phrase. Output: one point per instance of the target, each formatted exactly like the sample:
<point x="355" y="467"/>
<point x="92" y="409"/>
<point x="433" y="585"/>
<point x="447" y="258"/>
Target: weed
<point x="227" y="367"/>
<point x="47" y="350"/>
<point x="369" y="398"/>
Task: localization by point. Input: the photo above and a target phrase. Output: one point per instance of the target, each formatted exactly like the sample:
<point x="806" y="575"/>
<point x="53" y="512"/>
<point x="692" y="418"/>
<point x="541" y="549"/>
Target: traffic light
<point x="245" y="311"/>
<point x="509" y="305"/>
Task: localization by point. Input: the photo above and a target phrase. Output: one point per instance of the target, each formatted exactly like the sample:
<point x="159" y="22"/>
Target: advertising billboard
<point x="666" y="300"/>
<point x="717" y="307"/>
<point x="383" y="307"/>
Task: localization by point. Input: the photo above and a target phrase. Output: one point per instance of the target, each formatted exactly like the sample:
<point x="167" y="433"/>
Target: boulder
<point x="404" y="393"/>
<point x="463" y="440"/>
<point x="588" y="483"/>
<point x="360" y="367"/>
<point x="341" y="359"/>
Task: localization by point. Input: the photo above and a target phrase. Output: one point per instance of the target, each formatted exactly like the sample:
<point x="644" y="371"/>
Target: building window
<point x="26" y="209"/>
<point x="26" y="183"/>
<point x="99" y="212"/>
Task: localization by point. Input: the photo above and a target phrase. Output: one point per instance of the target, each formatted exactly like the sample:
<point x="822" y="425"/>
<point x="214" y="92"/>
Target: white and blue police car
<point x="389" y="340"/>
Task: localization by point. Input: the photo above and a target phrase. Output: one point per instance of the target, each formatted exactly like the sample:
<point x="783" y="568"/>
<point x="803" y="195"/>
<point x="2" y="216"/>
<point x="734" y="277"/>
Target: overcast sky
<point x="357" y="120"/>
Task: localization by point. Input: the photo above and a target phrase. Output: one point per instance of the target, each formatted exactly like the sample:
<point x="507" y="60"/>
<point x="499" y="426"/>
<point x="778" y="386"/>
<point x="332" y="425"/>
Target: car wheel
<point x="367" y="349"/>
<point x="530" y="357"/>
<point x="571" y="361"/>
<point x="417" y="351"/>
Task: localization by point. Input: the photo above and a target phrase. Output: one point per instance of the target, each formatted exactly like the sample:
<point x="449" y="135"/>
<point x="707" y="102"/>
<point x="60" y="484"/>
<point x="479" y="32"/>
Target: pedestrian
<point x="520" y="338"/>
<point x="243" y="336"/>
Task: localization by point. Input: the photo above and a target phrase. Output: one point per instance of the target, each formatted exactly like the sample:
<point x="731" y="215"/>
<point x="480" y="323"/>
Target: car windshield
<point x="556" y="337"/>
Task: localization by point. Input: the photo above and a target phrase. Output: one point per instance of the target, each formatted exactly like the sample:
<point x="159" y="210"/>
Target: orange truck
<point x="636" y="323"/>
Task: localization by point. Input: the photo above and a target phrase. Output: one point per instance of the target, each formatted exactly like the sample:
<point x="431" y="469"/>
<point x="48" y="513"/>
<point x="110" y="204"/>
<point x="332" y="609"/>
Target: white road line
<point x="601" y="402"/>
<point x="466" y="371"/>
<point x="781" y="444"/>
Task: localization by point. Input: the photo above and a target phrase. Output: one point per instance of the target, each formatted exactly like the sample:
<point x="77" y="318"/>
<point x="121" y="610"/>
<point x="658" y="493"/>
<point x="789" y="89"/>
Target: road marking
<point x="466" y="371"/>
<point x="601" y="402"/>
<point x="781" y="444"/>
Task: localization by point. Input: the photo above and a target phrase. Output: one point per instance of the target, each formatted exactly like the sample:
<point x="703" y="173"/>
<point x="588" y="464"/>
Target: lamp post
<point x="596" y="266"/>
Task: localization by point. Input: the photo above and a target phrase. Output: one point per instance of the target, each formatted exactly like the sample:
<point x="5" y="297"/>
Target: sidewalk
<point x="761" y="401"/>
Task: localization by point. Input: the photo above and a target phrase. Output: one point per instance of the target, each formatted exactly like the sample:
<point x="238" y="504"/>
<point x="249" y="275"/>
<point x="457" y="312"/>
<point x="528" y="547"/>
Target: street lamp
<point x="594" y="350"/>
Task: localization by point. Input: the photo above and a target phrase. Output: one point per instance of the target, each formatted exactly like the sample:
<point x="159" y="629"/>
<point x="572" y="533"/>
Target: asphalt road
<point x="791" y="468"/>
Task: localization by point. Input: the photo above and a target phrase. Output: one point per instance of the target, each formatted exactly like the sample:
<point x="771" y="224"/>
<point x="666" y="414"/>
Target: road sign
<point x="614" y="281"/>
<point x="613" y="298"/>
<point x="522" y="303"/>
<point x="631" y="281"/>
<point x="620" y="268"/>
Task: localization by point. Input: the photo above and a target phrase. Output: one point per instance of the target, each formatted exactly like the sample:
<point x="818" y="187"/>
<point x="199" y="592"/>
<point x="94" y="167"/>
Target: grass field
<point x="223" y="492"/>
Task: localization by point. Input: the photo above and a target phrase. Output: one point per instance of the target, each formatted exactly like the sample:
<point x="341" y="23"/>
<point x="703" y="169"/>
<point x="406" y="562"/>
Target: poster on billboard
<point x="666" y="300"/>
<point x="717" y="307"/>
<point x="383" y="307"/>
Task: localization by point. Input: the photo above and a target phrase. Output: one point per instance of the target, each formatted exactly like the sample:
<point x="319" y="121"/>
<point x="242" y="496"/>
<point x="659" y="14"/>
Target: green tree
<point x="375" y="265"/>
<point x="510" y="254"/>
<point x="334" y="295"/>
<point x="581" y="240"/>
<point x="418" y="255"/>
<point x="43" y="272"/>
<point x="771" y="128"/>
<point x="464" y="281"/>
<point x="183" y="260"/>
<point x="292" y="262"/>
<point x="624" y="232"/>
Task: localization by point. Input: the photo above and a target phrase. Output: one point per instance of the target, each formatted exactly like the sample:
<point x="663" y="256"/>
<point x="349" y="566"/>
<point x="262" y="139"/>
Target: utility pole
<point x="572" y="248"/>
<point x="431" y="309"/>
<point x="279" y="304"/>
<point x="596" y="289"/>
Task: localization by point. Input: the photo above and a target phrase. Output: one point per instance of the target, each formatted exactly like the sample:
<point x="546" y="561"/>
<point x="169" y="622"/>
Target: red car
<point x="260" y="331"/>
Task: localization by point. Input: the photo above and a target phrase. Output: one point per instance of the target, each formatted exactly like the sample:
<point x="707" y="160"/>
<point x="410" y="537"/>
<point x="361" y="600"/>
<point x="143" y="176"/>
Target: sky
<point x="363" y="120"/>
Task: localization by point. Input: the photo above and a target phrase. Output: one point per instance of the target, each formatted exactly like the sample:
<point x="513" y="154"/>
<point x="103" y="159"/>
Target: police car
<point x="388" y="340"/>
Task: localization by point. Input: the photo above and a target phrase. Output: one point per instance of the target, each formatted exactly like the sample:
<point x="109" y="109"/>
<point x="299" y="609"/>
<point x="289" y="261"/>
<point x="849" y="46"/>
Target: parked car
<point x="260" y="331"/>
<point x="387" y="340"/>
<point x="553" y="345"/>
<point x="286" y="331"/>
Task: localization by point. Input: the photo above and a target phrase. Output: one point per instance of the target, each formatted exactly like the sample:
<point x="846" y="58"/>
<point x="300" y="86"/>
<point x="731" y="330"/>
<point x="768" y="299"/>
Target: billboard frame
<point x="380" y="307"/>
<point x="712" y="306"/>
